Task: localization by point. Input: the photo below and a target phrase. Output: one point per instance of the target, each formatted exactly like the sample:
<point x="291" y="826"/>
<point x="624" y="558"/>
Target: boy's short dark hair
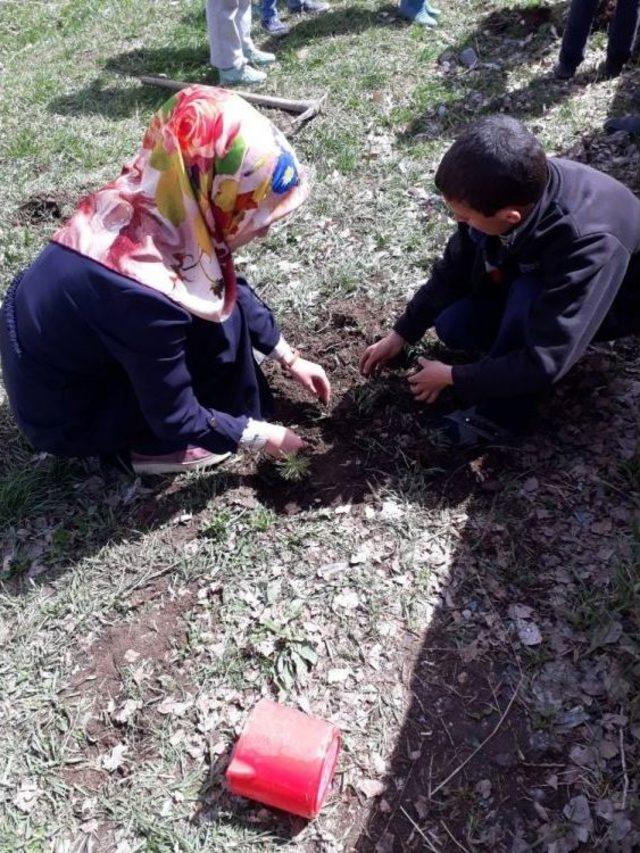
<point x="496" y="163"/>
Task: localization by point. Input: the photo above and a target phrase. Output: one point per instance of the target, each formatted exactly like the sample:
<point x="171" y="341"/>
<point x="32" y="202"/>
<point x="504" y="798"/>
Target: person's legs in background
<point x="420" y="12"/>
<point x="622" y="34"/>
<point x="229" y="26"/>
<point x="249" y="50"/>
<point x="270" y="19"/>
<point x="575" y="36"/>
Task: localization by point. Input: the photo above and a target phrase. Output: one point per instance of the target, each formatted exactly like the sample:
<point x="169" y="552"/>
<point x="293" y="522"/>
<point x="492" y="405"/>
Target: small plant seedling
<point x="217" y="530"/>
<point x="293" y="467"/>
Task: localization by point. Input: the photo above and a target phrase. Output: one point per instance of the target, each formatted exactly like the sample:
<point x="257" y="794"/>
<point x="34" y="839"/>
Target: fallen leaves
<point x="371" y="787"/>
<point x="175" y="707"/>
<point x="114" y="760"/>
<point x="346" y="600"/>
<point x="27" y="796"/>
<point x="527" y="630"/>
<point x="578" y="812"/>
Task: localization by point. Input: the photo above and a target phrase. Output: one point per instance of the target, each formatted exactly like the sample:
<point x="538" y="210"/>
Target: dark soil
<point x="372" y="432"/>
<point x="40" y="208"/>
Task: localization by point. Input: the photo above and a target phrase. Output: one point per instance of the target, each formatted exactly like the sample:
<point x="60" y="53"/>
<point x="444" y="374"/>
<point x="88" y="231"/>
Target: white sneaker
<point x="245" y="76"/>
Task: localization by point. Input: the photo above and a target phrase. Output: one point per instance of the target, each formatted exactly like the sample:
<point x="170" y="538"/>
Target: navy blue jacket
<point x="95" y="362"/>
<point x="582" y="241"/>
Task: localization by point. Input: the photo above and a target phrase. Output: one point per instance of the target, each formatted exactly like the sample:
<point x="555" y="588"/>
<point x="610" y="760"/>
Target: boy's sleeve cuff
<point x="405" y="329"/>
<point x="465" y="380"/>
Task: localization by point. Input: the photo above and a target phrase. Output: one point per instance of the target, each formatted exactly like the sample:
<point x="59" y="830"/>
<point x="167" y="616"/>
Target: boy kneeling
<point x="546" y="259"/>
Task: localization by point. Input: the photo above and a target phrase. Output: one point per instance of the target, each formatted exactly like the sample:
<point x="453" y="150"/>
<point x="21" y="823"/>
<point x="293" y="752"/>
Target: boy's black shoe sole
<point x="466" y="429"/>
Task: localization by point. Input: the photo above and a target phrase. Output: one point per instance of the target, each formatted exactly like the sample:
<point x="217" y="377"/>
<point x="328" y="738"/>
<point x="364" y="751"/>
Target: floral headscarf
<point x="212" y="172"/>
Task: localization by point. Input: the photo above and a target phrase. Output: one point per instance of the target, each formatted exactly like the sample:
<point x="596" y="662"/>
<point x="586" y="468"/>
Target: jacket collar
<point x="517" y="237"/>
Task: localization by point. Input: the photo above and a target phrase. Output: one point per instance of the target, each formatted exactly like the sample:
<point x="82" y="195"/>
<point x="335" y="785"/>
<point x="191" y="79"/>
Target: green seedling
<point x="217" y="530"/>
<point x="293" y="467"/>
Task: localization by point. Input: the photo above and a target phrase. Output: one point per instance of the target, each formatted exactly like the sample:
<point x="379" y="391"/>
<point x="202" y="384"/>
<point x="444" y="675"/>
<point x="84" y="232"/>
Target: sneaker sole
<point x="178" y="467"/>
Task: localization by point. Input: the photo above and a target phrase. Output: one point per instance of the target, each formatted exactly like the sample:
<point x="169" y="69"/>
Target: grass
<point x="221" y="596"/>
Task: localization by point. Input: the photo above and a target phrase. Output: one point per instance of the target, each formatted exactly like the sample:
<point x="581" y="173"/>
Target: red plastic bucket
<point x="285" y="759"/>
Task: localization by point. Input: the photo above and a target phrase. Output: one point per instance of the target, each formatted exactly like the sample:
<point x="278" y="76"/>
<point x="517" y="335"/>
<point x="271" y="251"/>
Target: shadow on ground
<point x="512" y="688"/>
<point x="493" y="747"/>
<point x="54" y="512"/>
<point x="504" y="40"/>
<point x="192" y="64"/>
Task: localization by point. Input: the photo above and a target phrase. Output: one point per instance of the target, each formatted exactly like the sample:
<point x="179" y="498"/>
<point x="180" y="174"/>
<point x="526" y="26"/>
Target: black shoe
<point x="467" y="429"/>
<point x="629" y="124"/>
<point x="609" y="70"/>
<point x="563" y="71"/>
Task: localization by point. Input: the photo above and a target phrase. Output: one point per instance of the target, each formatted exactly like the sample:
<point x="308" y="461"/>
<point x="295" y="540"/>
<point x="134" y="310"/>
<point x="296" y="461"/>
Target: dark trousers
<point x="494" y="324"/>
<point x="622" y="31"/>
<point x="497" y="323"/>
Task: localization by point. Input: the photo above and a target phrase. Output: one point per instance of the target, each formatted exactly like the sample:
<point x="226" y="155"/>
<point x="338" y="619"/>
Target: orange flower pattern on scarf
<point x="211" y="173"/>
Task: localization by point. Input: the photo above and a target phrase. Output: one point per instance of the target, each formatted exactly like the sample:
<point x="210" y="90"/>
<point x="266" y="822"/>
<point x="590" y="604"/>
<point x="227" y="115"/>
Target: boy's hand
<point x="427" y="383"/>
<point x="312" y="377"/>
<point x="282" y="441"/>
<point x="377" y="355"/>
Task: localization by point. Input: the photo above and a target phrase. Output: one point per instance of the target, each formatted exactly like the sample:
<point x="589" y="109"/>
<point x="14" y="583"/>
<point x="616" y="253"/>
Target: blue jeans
<point x="269" y="9"/>
<point x="622" y="31"/>
<point x="495" y="324"/>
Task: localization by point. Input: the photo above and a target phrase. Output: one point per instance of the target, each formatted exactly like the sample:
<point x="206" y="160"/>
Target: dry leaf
<point x="578" y="812"/>
<point x="528" y="632"/>
<point x="115" y="758"/>
<point x="347" y="600"/>
<point x="174" y="707"/>
<point x="371" y="787"/>
<point x="483" y="787"/>
<point x="126" y="711"/>
<point x="27" y="796"/>
<point x="337" y="676"/>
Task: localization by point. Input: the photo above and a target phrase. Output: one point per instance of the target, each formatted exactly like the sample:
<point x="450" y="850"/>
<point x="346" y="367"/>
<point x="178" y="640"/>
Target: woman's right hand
<point x="281" y="441"/>
<point x="377" y="355"/>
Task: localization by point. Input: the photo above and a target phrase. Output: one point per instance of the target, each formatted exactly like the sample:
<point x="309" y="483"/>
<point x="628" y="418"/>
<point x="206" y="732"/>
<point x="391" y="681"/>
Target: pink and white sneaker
<point x="189" y="459"/>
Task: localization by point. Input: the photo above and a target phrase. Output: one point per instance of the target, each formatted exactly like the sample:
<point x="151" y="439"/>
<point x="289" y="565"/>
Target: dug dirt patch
<point x="150" y="637"/>
<point x="40" y="208"/>
<point x="371" y="434"/>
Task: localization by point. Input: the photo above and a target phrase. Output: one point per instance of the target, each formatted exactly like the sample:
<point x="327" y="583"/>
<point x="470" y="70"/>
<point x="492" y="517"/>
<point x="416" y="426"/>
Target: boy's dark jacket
<point x="582" y="241"/>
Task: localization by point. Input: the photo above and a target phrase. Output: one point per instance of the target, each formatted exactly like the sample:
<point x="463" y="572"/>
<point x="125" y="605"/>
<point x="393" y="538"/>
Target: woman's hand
<point x="427" y="383"/>
<point x="378" y="354"/>
<point x="312" y="377"/>
<point x="281" y="441"/>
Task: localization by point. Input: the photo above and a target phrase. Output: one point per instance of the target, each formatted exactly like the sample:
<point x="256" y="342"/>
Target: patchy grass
<point x="395" y="589"/>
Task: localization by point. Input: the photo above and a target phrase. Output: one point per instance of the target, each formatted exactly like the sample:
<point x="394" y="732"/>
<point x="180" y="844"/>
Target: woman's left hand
<point x="312" y="377"/>
<point x="427" y="383"/>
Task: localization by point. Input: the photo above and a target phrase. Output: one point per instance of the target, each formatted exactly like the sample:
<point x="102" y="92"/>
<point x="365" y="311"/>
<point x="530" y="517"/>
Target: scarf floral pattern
<point x="211" y="174"/>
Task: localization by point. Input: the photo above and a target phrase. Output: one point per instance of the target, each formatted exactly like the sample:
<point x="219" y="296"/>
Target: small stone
<point x="469" y="58"/>
<point x="506" y="759"/>
<point x="483" y="787"/>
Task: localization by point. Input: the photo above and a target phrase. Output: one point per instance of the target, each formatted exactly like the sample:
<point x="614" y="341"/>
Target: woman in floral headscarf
<point x="130" y="336"/>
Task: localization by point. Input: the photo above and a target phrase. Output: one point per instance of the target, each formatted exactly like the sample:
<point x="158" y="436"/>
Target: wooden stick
<point x="285" y="104"/>
<point x="308" y="114"/>
<point x="481" y="746"/>
<point x="417" y="828"/>
<point x="623" y="761"/>
<point x="453" y="838"/>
